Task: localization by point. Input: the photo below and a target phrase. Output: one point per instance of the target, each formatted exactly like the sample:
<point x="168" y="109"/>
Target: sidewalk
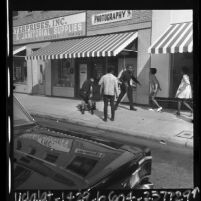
<point x="162" y="127"/>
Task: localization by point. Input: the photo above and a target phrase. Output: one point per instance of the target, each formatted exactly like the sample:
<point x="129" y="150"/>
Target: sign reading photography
<point x="57" y="28"/>
<point x="112" y="16"/>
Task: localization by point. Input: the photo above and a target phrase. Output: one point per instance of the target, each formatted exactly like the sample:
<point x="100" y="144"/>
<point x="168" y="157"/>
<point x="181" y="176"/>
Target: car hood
<point x="46" y="159"/>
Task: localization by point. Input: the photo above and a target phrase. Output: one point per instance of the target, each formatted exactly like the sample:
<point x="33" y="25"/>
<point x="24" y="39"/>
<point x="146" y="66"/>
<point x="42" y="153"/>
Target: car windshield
<point x="21" y="117"/>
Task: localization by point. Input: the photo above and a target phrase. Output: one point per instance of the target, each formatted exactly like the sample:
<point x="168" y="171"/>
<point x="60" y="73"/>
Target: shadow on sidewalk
<point x="185" y="118"/>
<point x="99" y="113"/>
<point x="123" y="106"/>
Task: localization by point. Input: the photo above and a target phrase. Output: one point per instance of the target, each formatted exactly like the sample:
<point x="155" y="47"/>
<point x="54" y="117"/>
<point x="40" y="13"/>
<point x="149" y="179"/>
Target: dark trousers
<point x="129" y="94"/>
<point x="106" y="99"/>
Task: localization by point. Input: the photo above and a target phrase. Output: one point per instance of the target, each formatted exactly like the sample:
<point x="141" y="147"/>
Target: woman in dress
<point x="184" y="91"/>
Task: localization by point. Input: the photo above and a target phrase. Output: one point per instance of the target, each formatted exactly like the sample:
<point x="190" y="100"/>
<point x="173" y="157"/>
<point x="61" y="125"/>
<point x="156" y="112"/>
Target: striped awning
<point x="17" y="49"/>
<point x="178" y="38"/>
<point x="93" y="46"/>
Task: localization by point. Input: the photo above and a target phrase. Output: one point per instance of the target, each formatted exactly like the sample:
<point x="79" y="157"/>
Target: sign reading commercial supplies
<point x="112" y="16"/>
<point x="57" y="28"/>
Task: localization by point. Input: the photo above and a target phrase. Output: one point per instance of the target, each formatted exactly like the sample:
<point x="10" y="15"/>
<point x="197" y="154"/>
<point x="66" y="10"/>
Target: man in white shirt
<point x="109" y="88"/>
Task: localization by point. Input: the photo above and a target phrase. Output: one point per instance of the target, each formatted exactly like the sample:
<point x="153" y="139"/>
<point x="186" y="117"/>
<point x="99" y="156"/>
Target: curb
<point x="139" y="134"/>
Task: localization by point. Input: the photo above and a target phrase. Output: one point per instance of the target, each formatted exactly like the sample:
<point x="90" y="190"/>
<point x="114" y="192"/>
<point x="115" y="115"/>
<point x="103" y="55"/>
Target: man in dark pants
<point x="86" y="93"/>
<point x="109" y="88"/>
<point x="125" y="79"/>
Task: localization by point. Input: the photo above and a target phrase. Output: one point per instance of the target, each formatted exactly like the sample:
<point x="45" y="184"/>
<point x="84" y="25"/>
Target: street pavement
<point x="164" y="127"/>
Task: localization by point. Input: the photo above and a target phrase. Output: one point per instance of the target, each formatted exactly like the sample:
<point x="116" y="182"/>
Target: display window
<point x="65" y="74"/>
<point x="19" y="70"/>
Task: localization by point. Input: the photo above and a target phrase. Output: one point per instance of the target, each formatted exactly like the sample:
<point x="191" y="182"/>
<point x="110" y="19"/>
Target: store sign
<point x="59" y="144"/>
<point x="57" y="28"/>
<point x="112" y="16"/>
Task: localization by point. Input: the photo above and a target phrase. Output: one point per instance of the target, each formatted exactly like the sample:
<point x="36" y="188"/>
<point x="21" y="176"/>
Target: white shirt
<point x="110" y="84"/>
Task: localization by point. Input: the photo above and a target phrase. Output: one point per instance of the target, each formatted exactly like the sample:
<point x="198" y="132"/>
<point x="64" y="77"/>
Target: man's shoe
<point x="104" y="119"/>
<point x="132" y="108"/>
<point x="178" y="114"/>
<point x="112" y="119"/>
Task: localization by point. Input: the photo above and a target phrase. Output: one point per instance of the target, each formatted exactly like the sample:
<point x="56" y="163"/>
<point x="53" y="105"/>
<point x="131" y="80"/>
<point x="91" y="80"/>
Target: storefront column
<point x="143" y="66"/>
<point x="29" y="73"/>
<point x="48" y="78"/>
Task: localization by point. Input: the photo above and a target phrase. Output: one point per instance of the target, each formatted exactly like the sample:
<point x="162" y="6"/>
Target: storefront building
<point x="35" y="30"/>
<point x="171" y="48"/>
<point x="61" y="49"/>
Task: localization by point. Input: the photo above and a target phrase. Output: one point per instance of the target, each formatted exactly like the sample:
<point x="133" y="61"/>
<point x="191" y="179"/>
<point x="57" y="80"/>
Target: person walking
<point x="109" y="88"/>
<point x="184" y="91"/>
<point x="126" y="78"/>
<point x="154" y="88"/>
<point x="86" y="93"/>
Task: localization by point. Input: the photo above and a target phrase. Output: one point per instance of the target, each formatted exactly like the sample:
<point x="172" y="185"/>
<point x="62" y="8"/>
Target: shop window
<point x="65" y="74"/>
<point x="19" y="70"/>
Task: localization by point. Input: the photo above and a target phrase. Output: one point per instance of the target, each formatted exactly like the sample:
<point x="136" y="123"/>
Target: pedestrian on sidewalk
<point x="109" y="88"/>
<point x="86" y="93"/>
<point x="184" y="91"/>
<point x="126" y="79"/>
<point x="154" y="88"/>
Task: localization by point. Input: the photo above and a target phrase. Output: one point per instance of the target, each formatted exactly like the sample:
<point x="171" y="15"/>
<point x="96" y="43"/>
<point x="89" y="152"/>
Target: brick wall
<point x="35" y="16"/>
<point x="138" y="16"/>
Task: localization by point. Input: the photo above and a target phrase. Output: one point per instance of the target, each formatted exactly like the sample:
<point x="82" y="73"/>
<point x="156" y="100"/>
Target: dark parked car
<point x="46" y="158"/>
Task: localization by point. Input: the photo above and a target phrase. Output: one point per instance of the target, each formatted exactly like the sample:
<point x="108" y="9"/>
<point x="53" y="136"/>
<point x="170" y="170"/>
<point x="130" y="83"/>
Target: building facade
<point x="55" y="51"/>
<point x="172" y="48"/>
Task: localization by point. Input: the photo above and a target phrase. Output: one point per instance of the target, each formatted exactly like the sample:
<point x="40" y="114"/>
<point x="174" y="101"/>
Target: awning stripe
<point x="175" y="39"/>
<point x="163" y="37"/>
<point x="190" y="47"/>
<point x="55" y="48"/>
<point x="184" y="44"/>
<point x="180" y="38"/>
<point x="187" y="44"/>
<point x="169" y="36"/>
<point x="100" y="46"/>
<point x="112" y="45"/>
<point x="93" y="46"/>
<point x="88" y="45"/>
<point x="98" y="51"/>
<point x="172" y="38"/>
